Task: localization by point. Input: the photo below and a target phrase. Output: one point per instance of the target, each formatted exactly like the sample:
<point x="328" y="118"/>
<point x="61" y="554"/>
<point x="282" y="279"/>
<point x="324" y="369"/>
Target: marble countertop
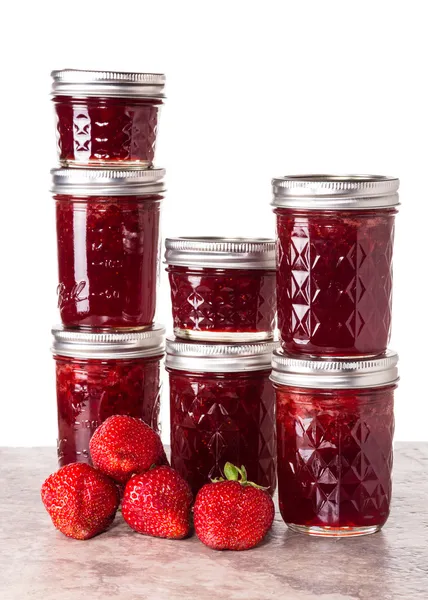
<point x="39" y="563"/>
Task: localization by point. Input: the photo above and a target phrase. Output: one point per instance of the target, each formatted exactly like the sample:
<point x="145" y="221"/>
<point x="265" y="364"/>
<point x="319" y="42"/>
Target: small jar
<point x="108" y="246"/>
<point x="222" y="409"/>
<point x="107" y="119"/>
<point x="222" y="289"/>
<point x="335" y="426"/>
<point x="334" y="256"/>
<point x="103" y="374"/>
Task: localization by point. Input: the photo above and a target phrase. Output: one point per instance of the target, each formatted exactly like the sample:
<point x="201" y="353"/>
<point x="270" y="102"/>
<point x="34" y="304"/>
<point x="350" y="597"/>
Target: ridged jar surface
<point x="335" y="456"/>
<point x="216" y="418"/>
<point x="223" y="300"/>
<point x="106" y="131"/>
<point x="334" y="281"/>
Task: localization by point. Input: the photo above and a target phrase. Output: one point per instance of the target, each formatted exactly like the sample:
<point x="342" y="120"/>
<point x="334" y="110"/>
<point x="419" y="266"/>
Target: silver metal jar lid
<point x="218" y="358"/>
<point x="345" y="192"/>
<point x="107" y="182"/>
<point x="108" y="345"/>
<point x="78" y="83"/>
<point x="334" y="374"/>
<point x="221" y="253"/>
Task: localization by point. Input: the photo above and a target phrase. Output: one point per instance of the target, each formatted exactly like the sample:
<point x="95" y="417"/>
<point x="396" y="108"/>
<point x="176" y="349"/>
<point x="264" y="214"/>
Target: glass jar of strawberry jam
<point x="103" y="374"/>
<point x="334" y="257"/>
<point x="107" y="119"/>
<point x="222" y="289"/>
<point x="222" y="409"/>
<point x="108" y="246"/>
<point x="335" y="425"/>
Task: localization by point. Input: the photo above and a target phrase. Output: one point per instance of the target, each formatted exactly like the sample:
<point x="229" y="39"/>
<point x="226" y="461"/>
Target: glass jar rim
<point x="220" y="252"/>
<point x="107" y="182"/>
<point x="336" y="373"/>
<point x="335" y="192"/>
<point x="213" y="357"/>
<point x="106" y="345"/>
<point x="83" y="83"/>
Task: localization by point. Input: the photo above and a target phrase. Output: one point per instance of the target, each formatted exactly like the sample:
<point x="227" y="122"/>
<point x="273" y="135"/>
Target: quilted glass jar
<point x="334" y="257"/>
<point x="103" y="374"/>
<point x="106" y="119"/>
<point x="335" y="426"/>
<point x="108" y="246"/>
<point x="222" y="289"/>
<point x="222" y="409"/>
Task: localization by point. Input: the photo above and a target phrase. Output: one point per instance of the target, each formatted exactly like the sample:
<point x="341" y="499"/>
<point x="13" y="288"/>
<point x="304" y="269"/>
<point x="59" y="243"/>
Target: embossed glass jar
<point x="103" y="374"/>
<point x="107" y="119"/>
<point x="334" y="258"/>
<point x="335" y="426"/>
<point x="222" y="289"/>
<point x="222" y="409"/>
<point x="108" y="246"/>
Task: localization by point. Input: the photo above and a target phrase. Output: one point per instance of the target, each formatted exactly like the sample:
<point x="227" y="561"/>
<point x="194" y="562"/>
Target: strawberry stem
<point x="234" y="473"/>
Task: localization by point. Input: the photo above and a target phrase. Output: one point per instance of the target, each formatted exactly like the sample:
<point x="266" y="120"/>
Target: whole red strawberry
<point x="123" y="446"/>
<point x="232" y="515"/>
<point x="158" y="503"/>
<point x="80" y="500"/>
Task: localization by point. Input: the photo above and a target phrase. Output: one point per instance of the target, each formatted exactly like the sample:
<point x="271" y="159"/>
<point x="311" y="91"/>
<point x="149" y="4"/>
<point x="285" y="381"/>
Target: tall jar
<point x="335" y="426"/>
<point x="108" y="246"/>
<point x="103" y="374"/>
<point x="222" y="409"/>
<point x="222" y="289"/>
<point x="107" y="119"/>
<point x="334" y="257"/>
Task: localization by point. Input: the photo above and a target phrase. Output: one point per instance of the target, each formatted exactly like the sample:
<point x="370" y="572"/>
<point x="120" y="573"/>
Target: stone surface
<point x="38" y="563"/>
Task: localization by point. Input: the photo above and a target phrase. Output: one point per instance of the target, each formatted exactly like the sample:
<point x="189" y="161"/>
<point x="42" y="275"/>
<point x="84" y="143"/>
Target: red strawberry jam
<point x="218" y="417"/>
<point x="107" y="119"/>
<point x="334" y="457"/>
<point x="108" y="257"/>
<point x="95" y="386"/>
<point x="90" y="391"/>
<point x="335" y="281"/>
<point x="218" y="301"/>
<point x="106" y="131"/>
<point x="222" y="289"/>
<point x="334" y="258"/>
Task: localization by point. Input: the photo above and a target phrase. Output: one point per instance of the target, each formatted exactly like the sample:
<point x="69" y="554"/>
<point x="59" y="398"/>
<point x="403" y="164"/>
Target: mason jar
<point x="108" y="246"/>
<point x="107" y="119"/>
<point x="222" y="289"/>
<point x="335" y="427"/>
<point x="222" y="409"/>
<point x="103" y="374"/>
<point x="335" y="238"/>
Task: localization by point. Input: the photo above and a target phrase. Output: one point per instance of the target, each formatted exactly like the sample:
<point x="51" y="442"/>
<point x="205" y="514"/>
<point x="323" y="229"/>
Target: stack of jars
<point x="108" y="195"/>
<point x="334" y="376"/>
<point x="219" y="362"/>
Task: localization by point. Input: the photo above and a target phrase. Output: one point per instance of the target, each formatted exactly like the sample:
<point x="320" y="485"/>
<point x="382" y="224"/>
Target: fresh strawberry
<point x="232" y="515"/>
<point x="80" y="500"/>
<point x="123" y="446"/>
<point x="158" y="503"/>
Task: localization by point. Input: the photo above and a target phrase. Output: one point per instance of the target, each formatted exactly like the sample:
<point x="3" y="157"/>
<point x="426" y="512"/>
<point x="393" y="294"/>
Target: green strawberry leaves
<point x="233" y="473"/>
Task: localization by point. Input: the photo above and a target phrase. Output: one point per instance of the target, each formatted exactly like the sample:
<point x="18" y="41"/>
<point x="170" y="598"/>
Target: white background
<point x="255" y="90"/>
